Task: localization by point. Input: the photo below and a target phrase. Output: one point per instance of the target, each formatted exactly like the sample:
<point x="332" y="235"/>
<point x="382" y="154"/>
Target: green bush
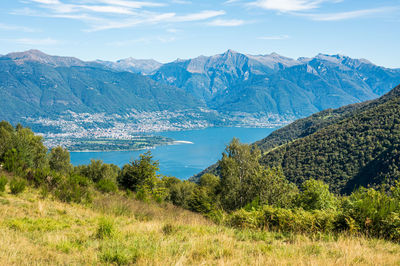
<point x="374" y="212"/>
<point x="40" y="177"/>
<point x="391" y="227"/>
<point x="285" y="220"/>
<point x="74" y="188"/>
<point x="299" y="220"/>
<point x="246" y="219"/>
<point x="200" y="201"/>
<point x="3" y="183"/>
<point x="17" y="185"/>
<point x="106" y="186"/>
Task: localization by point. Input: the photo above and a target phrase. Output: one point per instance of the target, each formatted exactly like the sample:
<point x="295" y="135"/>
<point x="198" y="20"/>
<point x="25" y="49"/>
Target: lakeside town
<point x="78" y="131"/>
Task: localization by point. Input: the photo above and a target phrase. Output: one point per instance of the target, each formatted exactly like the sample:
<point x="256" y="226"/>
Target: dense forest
<point x="347" y="148"/>
<point x="245" y="194"/>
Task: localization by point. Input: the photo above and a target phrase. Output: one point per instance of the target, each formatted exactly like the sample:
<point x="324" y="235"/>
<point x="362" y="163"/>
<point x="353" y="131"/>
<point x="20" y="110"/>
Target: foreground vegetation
<point x="116" y="229"/>
<point x="247" y="213"/>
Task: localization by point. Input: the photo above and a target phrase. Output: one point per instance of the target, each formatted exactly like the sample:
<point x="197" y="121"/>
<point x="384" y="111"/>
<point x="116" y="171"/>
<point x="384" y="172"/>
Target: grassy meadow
<point x="118" y="230"/>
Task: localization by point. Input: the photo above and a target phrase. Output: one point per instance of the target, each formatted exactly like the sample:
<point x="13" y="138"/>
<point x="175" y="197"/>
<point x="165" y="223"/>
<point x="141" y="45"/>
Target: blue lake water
<point x="182" y="160"/>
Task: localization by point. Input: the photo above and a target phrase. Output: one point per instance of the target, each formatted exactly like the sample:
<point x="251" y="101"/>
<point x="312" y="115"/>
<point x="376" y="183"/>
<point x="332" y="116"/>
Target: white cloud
<point x="153" y="18"/>
<point x="96" y="6"/>
<point x="203" y="15"/>
<point x="231" y="1"/>
<point x="47" y="2"/>
<point x="276" y="37"/>
<point x="348" y="15"/>
<point x="288" y="5"/>
<point x="132" y="4"/>
<point x="118" y="14"/>
<point x="226" y="22"/>
<point x="127" y="23"/>
<point x="181" y="2"/>
<point x="304" y="8"/>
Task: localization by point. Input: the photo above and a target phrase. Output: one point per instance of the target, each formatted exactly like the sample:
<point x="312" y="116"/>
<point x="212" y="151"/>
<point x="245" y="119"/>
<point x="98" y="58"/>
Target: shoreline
<point x="175" y="142"/>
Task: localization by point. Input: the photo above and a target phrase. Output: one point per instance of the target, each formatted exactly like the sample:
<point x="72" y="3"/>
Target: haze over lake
<point x="182" y="160"/>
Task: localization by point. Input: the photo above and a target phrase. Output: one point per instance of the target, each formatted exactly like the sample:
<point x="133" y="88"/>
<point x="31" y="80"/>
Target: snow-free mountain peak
<point x="43" y="58"/>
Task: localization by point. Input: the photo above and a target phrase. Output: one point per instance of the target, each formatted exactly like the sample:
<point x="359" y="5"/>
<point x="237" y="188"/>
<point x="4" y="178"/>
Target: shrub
<point x="17" y="185"/>
<point x="246" y="219"/>
<point x="74" y="188"/>
<point x="391" y="226"/>
<point x="285" y="220"/>
<point x="199" y="201"/>
<point x="106" y="186"/>
<point x="3" y="183"/>
<point x="372" y="210"/>
<point x="105" y="228"/>
<point x="299" y="220"/>
<point x="40" y="177"/>
<point x="181" y="192"/>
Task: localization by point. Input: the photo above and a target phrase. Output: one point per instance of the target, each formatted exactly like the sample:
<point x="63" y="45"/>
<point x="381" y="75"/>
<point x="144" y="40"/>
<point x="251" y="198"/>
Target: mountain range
<point x="34" y="84"/>
<point x="273" y="84"/>
<point x="234" y="88"/>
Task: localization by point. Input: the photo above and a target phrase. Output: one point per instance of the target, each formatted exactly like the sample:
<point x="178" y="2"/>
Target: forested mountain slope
<point x="353" y="146"/>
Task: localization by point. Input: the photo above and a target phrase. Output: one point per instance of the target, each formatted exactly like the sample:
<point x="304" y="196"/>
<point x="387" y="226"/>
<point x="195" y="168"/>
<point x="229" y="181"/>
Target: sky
<point x="171" y="29"/>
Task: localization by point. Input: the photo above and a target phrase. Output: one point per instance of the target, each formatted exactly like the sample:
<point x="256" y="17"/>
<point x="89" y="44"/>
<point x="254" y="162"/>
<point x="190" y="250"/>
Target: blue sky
<point x="170" y="29"/>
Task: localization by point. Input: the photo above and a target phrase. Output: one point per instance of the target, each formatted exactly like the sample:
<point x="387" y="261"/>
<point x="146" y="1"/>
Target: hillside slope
<point x="349" y="147"/>
<point x="36" y="230"/>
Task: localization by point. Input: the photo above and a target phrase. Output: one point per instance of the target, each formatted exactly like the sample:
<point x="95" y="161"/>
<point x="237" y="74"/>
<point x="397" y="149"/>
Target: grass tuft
<point x="105" y="228"/>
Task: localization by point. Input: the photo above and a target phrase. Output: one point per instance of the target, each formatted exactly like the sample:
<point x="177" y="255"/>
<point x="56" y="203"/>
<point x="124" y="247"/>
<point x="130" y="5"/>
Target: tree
<point x="315" y="195"/>
<point x="59" y="160"/>
<point x="6" y="132"/>
<point x="30" y="149"/>
<point x="139" y="172"/>
<point x="180" y="193"/>
<point x="275" y="189"/>
<point x="210" y="182"/>
<point x="240" y="172"/>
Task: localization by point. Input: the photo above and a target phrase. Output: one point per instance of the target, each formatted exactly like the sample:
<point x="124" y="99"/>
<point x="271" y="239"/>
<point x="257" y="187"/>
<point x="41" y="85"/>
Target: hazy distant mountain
<point x="144" y="66"/>
<point x="37" y="56"/>
<point x="35" y="84"/>
<point x="233" y="82"/>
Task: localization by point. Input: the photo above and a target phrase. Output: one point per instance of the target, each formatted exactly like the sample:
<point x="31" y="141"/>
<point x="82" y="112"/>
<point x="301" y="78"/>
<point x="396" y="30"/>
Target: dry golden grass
<point x="35" y="231"/>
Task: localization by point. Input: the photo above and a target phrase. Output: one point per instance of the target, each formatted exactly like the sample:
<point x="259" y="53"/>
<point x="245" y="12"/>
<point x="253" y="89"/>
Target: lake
<point x="182" y="160"/>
